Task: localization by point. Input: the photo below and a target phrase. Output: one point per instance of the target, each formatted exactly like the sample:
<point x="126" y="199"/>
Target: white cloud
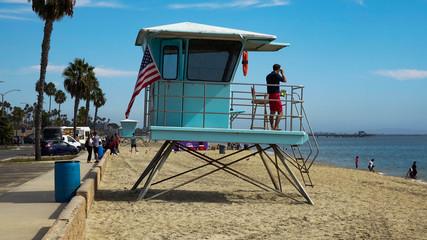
<point x="403" y="74"/>
<point x="360" y="2"/>
<point x="275" y="3"/>
<point x="104" y="72"/>
<point x="235" y="4"/>
<point x="16" y="18"/>
<point x="14" y="1"/>
<point x="17" y="10"/>
<point x="50" y="68"/>
<point x="100" y="72"/>
<point x="104" y="4"/>
<point x="21" y="13"/>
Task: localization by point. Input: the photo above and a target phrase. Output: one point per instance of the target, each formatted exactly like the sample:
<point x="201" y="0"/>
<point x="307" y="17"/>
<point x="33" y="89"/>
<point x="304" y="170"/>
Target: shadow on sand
<point x="173" y="196"/>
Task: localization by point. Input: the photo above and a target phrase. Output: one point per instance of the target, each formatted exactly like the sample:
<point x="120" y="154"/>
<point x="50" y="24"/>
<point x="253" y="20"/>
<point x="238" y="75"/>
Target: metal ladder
<point x="297" y="158"/>
<point x="301" y="165"/>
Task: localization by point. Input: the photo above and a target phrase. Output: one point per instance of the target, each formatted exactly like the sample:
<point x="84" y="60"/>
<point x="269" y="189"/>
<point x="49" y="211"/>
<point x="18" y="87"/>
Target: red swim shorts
<point x="275" y="105"/>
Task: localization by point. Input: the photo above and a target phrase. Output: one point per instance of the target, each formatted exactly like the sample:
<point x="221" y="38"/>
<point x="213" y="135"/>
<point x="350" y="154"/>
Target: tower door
<point x="169" y="93"/>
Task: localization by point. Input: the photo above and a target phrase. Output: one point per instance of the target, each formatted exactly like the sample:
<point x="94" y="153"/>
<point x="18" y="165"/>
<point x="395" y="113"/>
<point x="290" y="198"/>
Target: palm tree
<point x="50" y="90"/>
<point x="49" y="11"/>
<point x="74" y="82"/>
<point x="6" y="105"/>
<point x="27" y="106"/>
<point x="60" y="98"/>
<point x="17" y="115"/>
<point x="91" y="83"/>
<point x="98" y="98"/>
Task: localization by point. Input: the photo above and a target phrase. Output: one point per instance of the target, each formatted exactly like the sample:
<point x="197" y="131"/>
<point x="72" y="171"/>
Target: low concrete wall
<point x="71" y="223"/>
<point x="102" y="164"/>
<point x="95" y="174"/>
<point x="87" y="191"/>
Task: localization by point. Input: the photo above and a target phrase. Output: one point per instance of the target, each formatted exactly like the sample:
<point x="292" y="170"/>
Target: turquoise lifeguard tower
<point x="127" y="127"/>
<point x="196" y="100"/>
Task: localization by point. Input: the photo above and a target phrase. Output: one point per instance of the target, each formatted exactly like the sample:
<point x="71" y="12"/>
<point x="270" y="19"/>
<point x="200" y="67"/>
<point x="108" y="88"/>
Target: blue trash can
<point x="100" y="152"/>
<point x="67" y="180"/>
<point x="221" y="149"/>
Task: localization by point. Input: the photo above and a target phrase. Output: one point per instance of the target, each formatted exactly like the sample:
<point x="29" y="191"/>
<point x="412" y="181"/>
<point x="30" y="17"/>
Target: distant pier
<point x="358" y="134"/>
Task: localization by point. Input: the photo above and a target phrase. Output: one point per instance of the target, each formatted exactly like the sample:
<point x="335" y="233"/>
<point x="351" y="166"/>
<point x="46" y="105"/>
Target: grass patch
<point x="8" y="147"/>
<point x="44" y="158"/>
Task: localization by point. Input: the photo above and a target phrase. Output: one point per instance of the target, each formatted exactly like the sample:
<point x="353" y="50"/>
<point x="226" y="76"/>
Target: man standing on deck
<point x="274" y="95"/>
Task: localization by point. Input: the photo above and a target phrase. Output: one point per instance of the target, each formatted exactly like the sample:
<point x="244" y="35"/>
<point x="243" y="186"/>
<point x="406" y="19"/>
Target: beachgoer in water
<point x="357" y="162"/>
<point x="413" y="171"/>
<point x="274" y="95"/>
<point x="371" y="165"/>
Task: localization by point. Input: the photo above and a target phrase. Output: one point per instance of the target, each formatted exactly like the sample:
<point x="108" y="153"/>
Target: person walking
<point x="133" y="143"/>
<point x="413" y="171"/>
<point x="88" y="146"/>
<point x="371" y="165"/>
<point x="274" y="95"/>
<point x="117" y="142"/>
<point x="95" y="145"/>
<point x="357" y="162"/>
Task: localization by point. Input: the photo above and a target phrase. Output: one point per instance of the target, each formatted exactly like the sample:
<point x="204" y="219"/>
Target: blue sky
<point x="363" y="63"/>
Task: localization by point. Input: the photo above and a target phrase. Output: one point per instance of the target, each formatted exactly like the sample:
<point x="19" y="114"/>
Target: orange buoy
<point x="245" y="63"/>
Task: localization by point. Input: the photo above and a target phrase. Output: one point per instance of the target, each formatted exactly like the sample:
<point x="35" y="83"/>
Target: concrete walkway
<point x="29" y="210"/>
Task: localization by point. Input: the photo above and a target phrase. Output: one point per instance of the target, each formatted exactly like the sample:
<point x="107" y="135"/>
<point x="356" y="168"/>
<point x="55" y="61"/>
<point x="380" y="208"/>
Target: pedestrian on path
<point x="95" y="145"/>
<point x="88" y="146"/>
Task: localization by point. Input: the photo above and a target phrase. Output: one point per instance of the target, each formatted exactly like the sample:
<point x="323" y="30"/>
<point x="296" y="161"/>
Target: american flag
<point x="148" y="74"/>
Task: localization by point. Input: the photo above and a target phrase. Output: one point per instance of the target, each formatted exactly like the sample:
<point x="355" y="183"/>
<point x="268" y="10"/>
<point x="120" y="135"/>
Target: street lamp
<point x="2" y="99"/>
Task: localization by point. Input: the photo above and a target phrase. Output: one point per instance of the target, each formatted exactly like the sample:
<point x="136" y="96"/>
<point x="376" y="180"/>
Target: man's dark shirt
<point x="274" y="78"/>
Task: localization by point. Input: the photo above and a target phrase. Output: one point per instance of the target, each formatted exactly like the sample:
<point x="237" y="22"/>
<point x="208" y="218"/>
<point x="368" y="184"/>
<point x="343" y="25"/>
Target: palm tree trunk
<point x="50" y="101"/>
<point x="94" y="120"/>
<point x="48" y="27"/>
<point x="59" y="111"/>
<point x="87" y="112"/>
<point x="76" y="107"/>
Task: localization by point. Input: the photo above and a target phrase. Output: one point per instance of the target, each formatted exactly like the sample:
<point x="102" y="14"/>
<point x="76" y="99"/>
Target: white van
<point x="82" y="133"/>
<point x="73" y="142"/>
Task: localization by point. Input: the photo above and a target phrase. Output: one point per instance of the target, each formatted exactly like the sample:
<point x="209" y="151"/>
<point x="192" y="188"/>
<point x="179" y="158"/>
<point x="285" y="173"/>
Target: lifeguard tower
<point x="196" y="100"/>
<point x="127" y="127"/>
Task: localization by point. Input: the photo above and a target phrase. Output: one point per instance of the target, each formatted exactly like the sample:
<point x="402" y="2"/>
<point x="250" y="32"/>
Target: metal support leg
<point x="152" y="164"/>
<point x="258" y="147"/>
<point x="300" y="187"/>
<point x="154" y="171"/>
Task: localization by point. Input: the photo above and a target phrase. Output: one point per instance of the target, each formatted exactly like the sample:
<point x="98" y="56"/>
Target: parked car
<point x="58" y="148"/>
<point x="29" y="139"/>
<point x="72" y="141"/>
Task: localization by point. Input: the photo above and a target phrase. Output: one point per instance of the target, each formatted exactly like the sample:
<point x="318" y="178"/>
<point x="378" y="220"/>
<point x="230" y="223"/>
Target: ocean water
<point x="393" y="155"/>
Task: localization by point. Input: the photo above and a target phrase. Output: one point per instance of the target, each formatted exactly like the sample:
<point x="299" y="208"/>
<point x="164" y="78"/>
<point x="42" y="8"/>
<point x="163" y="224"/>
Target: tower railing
<point x="241" y="113"/>
<point x="241" y="104"/>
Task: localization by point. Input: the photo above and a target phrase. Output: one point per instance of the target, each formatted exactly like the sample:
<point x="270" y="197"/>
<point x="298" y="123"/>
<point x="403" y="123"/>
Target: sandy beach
<point x="348" y="204"/>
